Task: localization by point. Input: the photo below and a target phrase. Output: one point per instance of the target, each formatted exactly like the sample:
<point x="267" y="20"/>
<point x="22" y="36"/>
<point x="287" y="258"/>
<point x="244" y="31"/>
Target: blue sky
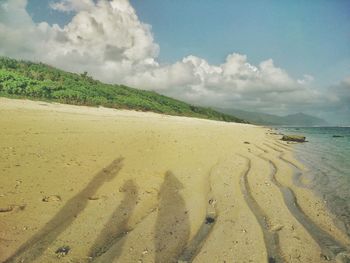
<point x="303" y="37"/>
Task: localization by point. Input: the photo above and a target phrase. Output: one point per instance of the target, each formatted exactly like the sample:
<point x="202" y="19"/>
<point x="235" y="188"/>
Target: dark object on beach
<point x="93" y="198"/>
<point x="62" y="251"/>
<point x="247" y="142"/>
<point x="6" y="209"/>
<point x="51" y="198"/>
<point x="337" y="136"/>
<point x="272" y="260"/>
<point x="294" y="138"/>
<point x="209" y="220"/>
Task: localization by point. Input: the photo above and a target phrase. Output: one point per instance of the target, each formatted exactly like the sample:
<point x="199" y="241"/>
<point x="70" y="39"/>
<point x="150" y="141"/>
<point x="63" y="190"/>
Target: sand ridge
<point x="88" y="184"/>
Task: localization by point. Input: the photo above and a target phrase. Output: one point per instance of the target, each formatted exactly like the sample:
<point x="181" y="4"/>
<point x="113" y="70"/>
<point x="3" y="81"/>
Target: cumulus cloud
<point x="72" y="5"/>
<point x="343" y="91"/>
<point x="339" y="105"/>
<point x="107" y="39"/>
<point x="20" y="37"/>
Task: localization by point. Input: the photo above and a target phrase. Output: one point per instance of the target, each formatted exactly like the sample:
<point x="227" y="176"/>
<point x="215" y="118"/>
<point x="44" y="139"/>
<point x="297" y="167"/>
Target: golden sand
<point x="81" y="184"/>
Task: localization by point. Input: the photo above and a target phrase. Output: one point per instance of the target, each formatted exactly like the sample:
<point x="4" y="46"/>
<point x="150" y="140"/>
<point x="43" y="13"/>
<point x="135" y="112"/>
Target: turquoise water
<point x="328" y="160"/>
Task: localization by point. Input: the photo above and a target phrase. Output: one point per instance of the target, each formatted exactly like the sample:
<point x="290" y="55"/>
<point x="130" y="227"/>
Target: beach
<point x="87" y="184"/>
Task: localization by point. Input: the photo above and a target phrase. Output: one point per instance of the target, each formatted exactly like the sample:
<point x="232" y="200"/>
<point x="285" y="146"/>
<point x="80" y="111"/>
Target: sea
<point x="326" y="154"/>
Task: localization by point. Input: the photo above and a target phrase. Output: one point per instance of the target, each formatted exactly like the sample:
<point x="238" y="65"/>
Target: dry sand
<point x="124" y="186"/>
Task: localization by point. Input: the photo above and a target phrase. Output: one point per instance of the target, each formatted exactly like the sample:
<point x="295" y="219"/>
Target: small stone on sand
<point x="6" y="209"/>
<point x="276" y="228"/>
<point x="62" y="251"/>
<point x="93" y="198"/>
<point x="209" y="220"/>
<point x="52" y="198"/>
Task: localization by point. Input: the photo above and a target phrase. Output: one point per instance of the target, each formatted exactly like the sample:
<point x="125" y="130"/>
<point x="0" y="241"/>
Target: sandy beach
<point x="83" y="184"/>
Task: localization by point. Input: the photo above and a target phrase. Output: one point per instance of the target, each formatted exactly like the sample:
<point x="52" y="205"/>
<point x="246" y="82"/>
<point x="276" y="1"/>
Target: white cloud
<point x="107" y="39"/>
<point x="307" y="79"/>
<point x="72" y="5"/>
<point x="338" y="104"/>
<point x="341" y="93"/>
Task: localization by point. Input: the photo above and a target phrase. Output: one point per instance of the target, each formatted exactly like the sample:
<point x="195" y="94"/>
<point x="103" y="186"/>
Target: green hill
<point x="23" y="79"/>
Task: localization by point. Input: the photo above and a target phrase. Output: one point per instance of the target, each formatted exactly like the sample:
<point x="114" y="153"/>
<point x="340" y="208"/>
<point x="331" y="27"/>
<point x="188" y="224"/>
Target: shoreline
<point x="329" y="244"/>
<point x="309" y="157"/>
<point x="144" y="186"/>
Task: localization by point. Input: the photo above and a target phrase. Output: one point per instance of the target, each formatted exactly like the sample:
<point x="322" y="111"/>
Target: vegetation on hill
<point x="23" y="79"/>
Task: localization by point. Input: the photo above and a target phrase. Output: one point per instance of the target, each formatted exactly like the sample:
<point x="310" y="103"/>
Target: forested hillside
<point x="23" y="79"/>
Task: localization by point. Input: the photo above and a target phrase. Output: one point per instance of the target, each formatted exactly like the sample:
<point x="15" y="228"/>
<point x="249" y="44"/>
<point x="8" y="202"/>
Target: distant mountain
<point x="24" y="79"/>
<point x="301" y="119"/>
<point x="298" y="119"/>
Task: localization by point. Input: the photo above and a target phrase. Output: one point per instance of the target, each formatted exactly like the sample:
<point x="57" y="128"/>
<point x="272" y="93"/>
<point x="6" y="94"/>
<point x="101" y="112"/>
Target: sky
<point x="278" y="57"/>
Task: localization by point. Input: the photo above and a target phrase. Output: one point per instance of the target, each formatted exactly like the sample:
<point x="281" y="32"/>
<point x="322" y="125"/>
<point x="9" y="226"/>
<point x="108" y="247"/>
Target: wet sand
<point x="82" y="184"/>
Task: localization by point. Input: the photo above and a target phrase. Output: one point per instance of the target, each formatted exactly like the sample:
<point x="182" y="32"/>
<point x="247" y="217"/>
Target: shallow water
<point x="328" y="160"/>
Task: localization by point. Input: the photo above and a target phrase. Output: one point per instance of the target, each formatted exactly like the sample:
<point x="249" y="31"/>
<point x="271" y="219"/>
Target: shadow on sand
<point x="116" y="227"/>
<point x="35" y="246"/>
<point x="172" y="227"/>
